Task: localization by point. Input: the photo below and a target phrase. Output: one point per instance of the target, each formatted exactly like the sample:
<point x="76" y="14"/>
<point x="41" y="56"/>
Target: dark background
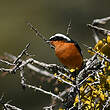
<point x="50" y="17"/>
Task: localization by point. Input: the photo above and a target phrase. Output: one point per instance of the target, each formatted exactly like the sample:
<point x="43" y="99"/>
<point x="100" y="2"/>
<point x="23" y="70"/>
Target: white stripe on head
<point x="62" y="36"/>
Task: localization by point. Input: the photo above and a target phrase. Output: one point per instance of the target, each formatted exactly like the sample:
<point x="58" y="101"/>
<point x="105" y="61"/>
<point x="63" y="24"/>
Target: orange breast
<point x="68" y="54"/>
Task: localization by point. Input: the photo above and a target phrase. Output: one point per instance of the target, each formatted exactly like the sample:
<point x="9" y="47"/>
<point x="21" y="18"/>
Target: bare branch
<point x="17" y="66"/>
<point x="37" y="32"/>
<point x="22" y="53"/>
<point x="7" y="106"/>
<point x="97" y="30"/>
<point x="5" y="70"/>
<point x="96" y="36"/>
<point x="102" y="31"/>
<point x="107" y="104"/>
<point x="42" y="90"/>
<point x="52" y="67"/>
<point x="40" y="35"/>
<point x="100" y="21"/>
<point x="69" y="28"/>
<point x="6" y="62"/>
<point x="89" y="64"/>
<point x="49" y="107"/>
<point x="30" y="66"/>
<point x="11" y="107"/>
<point x="66" y="82"/>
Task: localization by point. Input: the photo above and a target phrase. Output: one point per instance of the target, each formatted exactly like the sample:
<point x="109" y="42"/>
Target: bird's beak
<point x="49" y="42"/>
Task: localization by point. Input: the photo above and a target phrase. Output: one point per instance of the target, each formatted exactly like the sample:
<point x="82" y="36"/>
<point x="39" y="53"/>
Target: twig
<point x="40" y="35"/>
<point x="7" y="106"/>
<point x="103" y="56"/>
<point x="59" y="78"/>
<point x="69" y="28"/>
<point x="89" y="64"/>
<point x="72" y="108"/>
<point x="102" y="31"/>
<point x="30" y="66"/>
<point x="96" y="36"/>
<point x="60" y="73"/>
<point x="107" y="104"/>
<point x="17" y="62"/>
<point x="49" y="107"/>
<point x="6" y="62"/>
<point x="2" y="103"/>
<point x="37" y="32"/>
<point x="95" y="83"/>
<point x="85" y="79"/>
<point x="5" y="70"/>
<point x="22" y="53"/>
<point x="100" y="21"/>
<point x="11" y="107"/>
<point x="53" y="67"/>
<point x="64" y="92"/>
<point x="22" y="78"/>
<point x="42" y="90"/>
<point x="44" y="65"/>
<point x="16" y="67"/>
<point x="36" y="88"/>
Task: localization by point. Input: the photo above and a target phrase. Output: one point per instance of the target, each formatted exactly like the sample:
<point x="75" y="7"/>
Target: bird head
<point x="58" y="38"/>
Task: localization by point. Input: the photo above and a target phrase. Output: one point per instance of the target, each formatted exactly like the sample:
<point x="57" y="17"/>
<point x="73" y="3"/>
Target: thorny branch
<point x="81" y="78"/>
<point x="42" y="90"/>
<point x="6" y="62"/>
<point x="22" y="53"/>
<point x="98" y="22"/>
<point x="102" y="31"/>
<point x="32" y="67"/>
<point x="101" y="21"/>
<point x="36" y="88"/>
<point x="39" y="34"/>
<point x="7" y="106"/>
<point x="52" y="67"/>
<point x="91" y="68"/>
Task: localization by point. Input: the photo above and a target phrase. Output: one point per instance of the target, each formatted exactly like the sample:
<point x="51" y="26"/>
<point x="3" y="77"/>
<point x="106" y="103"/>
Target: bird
<point x="67" y="50"/>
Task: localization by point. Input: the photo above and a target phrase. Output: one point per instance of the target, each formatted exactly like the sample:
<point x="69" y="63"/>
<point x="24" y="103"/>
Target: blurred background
<point x="50" y="17"/>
